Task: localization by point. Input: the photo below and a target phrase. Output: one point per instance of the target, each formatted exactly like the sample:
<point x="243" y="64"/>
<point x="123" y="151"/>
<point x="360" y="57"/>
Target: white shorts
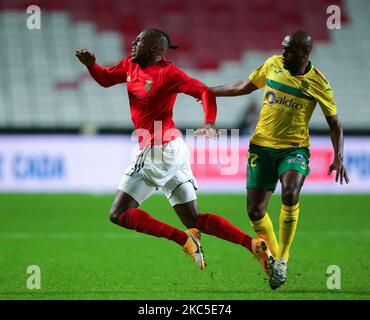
<point x="167" y="167"/>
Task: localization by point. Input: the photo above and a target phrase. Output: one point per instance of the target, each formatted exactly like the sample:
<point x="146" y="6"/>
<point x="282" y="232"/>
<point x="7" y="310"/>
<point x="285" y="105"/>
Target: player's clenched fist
<point x="86" y="57"/>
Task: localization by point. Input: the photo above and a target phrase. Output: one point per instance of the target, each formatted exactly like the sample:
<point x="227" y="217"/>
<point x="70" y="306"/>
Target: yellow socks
<point x="288" y="224"/>
<point x="265" y="230"/>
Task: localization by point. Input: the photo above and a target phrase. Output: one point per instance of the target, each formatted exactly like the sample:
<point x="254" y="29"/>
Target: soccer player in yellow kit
<point x="279" y="146"/>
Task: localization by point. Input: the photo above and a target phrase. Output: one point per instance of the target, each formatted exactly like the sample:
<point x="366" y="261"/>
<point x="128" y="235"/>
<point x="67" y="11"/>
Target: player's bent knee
<point x="290" y="195"/>
<point x="254" y="216"/>
<point x="256" y="212"/>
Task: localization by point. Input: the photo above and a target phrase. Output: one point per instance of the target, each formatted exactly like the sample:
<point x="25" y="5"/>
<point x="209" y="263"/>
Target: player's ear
<point x="156" y="49"/>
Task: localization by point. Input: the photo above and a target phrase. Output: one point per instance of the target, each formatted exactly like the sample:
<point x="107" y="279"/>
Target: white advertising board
<point x="95" y="164"/>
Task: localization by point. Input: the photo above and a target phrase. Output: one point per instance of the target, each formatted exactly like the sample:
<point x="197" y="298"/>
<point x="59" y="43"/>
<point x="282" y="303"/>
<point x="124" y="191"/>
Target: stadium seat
<point x="221" y="41"/>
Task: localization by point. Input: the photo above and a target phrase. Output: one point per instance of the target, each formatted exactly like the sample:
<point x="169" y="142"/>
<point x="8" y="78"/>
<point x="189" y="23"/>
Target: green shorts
<point x="266" y="165"/>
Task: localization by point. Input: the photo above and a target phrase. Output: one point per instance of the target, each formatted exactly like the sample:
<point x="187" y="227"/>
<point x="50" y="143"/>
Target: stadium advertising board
<point x="96" y="163"/>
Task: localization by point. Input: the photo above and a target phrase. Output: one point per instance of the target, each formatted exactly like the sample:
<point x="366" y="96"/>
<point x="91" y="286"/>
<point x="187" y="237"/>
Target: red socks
<point x="218" y="226"/>
<point x="139" y="220"/>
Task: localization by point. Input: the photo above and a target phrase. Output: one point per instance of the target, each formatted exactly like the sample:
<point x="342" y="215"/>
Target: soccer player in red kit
<point x="163" y="159"/>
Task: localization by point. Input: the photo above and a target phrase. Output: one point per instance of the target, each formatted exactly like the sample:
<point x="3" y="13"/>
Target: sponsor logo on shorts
<point x="298" y="159"/>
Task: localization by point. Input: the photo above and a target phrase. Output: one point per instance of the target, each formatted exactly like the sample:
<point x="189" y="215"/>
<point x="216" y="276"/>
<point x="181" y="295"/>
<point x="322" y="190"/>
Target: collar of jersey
<point x="306" y="72"/>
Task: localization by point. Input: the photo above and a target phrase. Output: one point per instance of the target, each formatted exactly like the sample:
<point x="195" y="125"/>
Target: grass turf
<point x="83" y="256"/>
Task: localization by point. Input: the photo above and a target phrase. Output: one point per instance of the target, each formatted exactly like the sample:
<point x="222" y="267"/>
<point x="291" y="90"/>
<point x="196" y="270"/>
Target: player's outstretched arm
<point x="195" y="88"/>
<point x="336" y="135"/>
<point x="106" y="77"/>
<point x="86" y="57"/>
<point x="237" y="88"/>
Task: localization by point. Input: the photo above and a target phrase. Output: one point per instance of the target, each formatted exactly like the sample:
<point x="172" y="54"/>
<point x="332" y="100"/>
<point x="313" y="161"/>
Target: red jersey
<point x="152" y="93"/>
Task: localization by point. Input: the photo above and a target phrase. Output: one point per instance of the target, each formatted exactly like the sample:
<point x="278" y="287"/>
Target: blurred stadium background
<point x="62" y="133"/>
<point x="44" y="87"/>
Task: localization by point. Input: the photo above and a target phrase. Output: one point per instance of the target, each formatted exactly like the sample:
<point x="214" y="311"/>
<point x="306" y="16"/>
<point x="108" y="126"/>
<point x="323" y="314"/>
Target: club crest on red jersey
<point x="148" y="85"/>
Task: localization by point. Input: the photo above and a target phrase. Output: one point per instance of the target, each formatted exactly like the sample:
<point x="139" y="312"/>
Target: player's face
<point x="292" y="55"/>
<point x="141" y="47"/>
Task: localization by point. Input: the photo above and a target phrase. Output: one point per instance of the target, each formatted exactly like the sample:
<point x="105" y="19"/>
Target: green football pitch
<point x="82" y="255"/>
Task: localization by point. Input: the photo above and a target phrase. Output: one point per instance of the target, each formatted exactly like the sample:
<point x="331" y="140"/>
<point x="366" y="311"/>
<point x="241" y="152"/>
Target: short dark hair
<point x="163" y="35"/>
<point x="302" y="39"/>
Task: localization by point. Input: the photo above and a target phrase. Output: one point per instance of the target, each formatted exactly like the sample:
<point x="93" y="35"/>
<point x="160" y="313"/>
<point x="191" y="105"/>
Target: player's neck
<point x="303" y="69"/>
<point x="150" y="61"/>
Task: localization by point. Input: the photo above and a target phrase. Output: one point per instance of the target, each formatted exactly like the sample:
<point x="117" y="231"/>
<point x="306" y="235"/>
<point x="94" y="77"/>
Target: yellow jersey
<point x="288" y="104"/>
